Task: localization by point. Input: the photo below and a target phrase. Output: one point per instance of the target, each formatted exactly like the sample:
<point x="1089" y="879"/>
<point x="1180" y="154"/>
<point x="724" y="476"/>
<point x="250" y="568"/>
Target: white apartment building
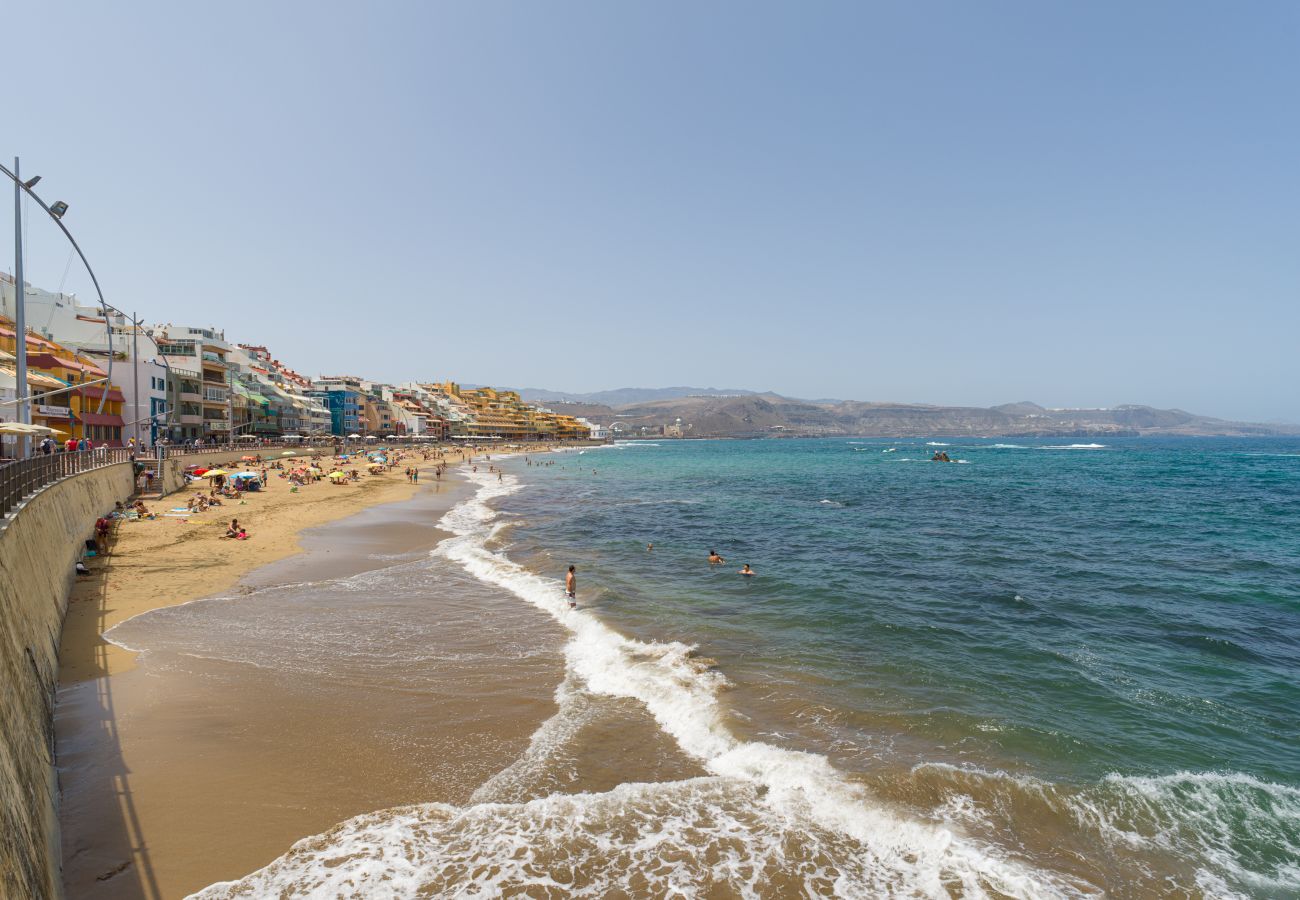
<point x="131" y="359"/>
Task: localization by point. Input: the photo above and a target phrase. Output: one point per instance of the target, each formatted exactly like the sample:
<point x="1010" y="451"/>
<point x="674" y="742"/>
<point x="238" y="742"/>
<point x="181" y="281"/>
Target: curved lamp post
<point x="56" y="211"/>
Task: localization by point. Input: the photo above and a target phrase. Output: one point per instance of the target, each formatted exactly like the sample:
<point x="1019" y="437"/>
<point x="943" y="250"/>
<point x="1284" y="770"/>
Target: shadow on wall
<point x="39" y="544"/>
<point x="121" y="865"/>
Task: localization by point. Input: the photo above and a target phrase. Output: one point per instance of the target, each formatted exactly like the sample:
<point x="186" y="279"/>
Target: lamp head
<point x="31" y="182"/>
<point x="58" y="208"/>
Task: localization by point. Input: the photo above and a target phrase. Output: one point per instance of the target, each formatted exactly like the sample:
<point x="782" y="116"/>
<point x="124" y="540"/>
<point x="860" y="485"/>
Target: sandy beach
<point x="169" y="560"/>
<point x="165" y="561"/>
<point x="190" y="770"/>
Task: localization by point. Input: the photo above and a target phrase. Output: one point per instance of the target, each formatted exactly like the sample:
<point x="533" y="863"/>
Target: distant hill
<point x="714" y="413"/>
<point x="625" y="396"/>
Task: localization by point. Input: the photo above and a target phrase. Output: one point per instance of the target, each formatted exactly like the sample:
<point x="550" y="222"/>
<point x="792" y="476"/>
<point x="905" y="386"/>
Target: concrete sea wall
<point x="39" y="546"/>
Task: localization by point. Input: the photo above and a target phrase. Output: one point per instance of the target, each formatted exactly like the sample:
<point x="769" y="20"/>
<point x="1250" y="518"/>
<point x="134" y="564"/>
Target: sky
<point x="942" y="202"/>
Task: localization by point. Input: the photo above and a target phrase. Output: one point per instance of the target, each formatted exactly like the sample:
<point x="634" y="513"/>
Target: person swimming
<point x="714" y="558"/>
<point x="746" y="570"/>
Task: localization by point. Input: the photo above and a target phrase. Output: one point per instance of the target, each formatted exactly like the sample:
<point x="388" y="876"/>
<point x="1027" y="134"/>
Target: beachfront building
<point x="596" y="432"/>
<point x="185" y="400"/>
<point x="311" y="416"/>
<point x="419" y="411"/>
<point x="112" y="341"/>
<point x="343" y="395"/>
<point x="42" y="414"/>
<point x="203" y="350"/>
<point x="83" y="404"/>
<point x="487" y="413"/>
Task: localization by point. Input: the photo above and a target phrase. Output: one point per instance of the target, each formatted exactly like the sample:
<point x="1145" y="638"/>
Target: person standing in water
<point x="571" y="587"/>
<point x="714" y="558"/>
<point x="746" y="570"/>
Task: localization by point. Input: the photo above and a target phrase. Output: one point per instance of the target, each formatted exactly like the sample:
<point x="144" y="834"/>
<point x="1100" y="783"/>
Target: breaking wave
<point x="765" y="820"/>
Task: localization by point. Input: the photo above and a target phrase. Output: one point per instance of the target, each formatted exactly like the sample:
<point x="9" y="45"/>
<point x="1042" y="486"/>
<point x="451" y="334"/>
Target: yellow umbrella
<point x="213" y="473"/>
<point x="337" y="475"/>
<point x="375" y="466"/>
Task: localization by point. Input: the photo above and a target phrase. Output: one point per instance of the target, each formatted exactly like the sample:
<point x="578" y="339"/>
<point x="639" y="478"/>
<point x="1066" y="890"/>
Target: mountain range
<point x="713" y="412"/>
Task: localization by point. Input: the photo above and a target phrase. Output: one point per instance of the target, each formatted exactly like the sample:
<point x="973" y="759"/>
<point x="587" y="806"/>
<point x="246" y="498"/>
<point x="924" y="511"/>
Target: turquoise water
<point x="1090" y="652"/>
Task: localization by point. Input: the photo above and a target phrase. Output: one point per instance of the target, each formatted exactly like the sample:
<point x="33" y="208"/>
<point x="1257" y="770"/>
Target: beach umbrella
<point x="213" y="473"/>
<point x="248" y="459"/>
<point x="286" y="453"/>
<point x="337" y="475"/>
<point x="24" y="428"/>
<point x="375" y="465"/>
<point x="245" y="475"/>
<point x="197" y="470"/>
<point x="354" y="435"/>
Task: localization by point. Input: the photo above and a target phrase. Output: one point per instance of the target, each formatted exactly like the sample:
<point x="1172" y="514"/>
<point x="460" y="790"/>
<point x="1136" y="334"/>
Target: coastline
<point x="168" y="561"/>
<point x="173" y="778"/>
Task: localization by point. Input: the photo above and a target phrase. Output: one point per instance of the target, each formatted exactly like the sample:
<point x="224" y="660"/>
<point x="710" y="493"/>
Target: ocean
<point x="1048" y="668"/>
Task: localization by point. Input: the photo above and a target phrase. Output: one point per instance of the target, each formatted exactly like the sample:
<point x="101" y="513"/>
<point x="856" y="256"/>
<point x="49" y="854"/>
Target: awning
<point x="95" y="391"/>
<point x="51" y="361"/>
<point x="89" y="418"/>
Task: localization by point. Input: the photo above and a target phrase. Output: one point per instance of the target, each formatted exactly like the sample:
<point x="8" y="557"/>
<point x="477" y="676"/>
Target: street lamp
<point x="20" y="317"/>
<point x="56" y="211"/>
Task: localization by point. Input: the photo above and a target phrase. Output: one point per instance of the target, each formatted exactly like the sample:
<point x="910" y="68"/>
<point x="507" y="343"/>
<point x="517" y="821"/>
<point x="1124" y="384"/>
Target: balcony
<point x="190" y="396"/>
<point x="189" y="419"/>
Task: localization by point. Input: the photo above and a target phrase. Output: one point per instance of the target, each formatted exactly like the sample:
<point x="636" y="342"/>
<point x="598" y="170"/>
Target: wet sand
<point x="183" y="771"/>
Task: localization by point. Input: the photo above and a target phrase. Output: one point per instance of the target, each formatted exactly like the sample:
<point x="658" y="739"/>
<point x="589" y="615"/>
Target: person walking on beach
<point x="571" y="587"/>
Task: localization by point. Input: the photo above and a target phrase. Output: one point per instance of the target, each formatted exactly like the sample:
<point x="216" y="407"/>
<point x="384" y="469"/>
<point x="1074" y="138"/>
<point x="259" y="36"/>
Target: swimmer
<point x="649" y="547"/>
<point x="571" y="587"/>
<point x="714" y="558"/>
<point x="746" y="570"/>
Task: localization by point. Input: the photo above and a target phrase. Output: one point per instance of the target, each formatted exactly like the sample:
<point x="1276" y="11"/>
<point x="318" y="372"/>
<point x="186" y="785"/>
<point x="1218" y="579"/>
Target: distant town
<point x="109" y="380"/>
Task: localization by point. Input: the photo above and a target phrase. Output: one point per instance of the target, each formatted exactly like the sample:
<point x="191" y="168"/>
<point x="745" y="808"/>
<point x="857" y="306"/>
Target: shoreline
<point x="165" y="562"/>
<point x="173" y="778"/>
<point x="159" y="563"/>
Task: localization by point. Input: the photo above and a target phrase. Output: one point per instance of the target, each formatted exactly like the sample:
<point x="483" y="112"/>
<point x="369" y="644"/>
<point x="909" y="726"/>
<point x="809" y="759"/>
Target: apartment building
<point x="201" y="350"/>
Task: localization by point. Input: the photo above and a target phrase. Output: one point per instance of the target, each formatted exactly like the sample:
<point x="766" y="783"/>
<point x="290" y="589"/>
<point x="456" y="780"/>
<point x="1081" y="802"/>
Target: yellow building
<point x="489" y="413"/>
<point x="76" y="411"/>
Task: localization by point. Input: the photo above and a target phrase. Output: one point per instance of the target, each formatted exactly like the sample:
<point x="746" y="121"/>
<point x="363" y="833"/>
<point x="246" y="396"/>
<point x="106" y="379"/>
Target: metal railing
<point x="170" y="451"/>
<point x="23" y="477"/>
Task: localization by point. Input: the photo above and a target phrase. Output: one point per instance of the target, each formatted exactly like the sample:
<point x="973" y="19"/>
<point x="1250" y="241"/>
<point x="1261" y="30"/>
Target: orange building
<point x="75" y="410"/>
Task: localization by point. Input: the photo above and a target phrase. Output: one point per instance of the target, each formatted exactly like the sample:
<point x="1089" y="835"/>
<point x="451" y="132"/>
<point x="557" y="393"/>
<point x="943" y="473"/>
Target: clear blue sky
<point x="1078" y="204"/>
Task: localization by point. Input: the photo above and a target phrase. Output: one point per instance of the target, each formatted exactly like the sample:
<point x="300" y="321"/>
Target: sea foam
<point x="765" y="816"/>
